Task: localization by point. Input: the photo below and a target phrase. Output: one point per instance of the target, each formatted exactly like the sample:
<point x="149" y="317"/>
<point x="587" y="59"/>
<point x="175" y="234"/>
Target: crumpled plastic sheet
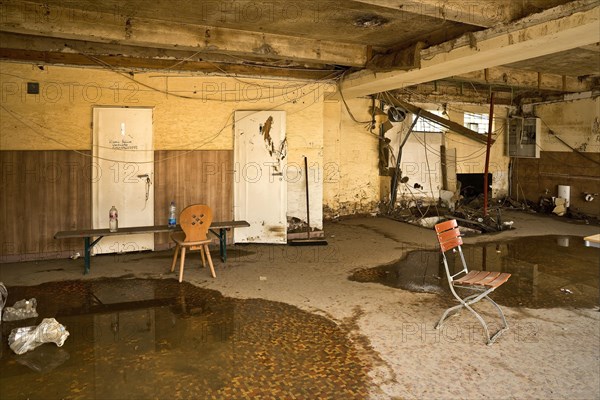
<point x="22" y="309"/>
<point x="22" y="340"/>
<point x="44" y="359"/>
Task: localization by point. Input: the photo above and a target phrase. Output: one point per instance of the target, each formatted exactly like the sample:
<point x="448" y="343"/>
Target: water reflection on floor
<point x="547" y="271"/>
<point x="145" y="339"/>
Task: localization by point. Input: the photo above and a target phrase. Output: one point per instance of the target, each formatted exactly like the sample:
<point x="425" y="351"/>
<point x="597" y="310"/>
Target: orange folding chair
<point x="482" y="282"/>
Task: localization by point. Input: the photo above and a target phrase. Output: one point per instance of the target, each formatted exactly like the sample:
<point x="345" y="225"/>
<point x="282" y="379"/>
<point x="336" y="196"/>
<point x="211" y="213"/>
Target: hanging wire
<point x="330" y="77"/>
<point x="551" y="132"/>
<point x="346" y="104"/>
<point x="183" y="152"/>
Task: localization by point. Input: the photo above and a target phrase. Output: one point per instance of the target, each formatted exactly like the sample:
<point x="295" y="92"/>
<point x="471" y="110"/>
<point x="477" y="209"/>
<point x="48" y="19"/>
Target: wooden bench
<point x="219" y="229"/>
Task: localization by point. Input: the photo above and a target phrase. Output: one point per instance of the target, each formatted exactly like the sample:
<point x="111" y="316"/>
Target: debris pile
<point x="468" y="212"/>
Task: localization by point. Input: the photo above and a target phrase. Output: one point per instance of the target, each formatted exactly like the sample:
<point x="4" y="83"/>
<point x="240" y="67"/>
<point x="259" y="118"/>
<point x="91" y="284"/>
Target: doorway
<point x="260" y="190"/>
<point x="123" y="175"/>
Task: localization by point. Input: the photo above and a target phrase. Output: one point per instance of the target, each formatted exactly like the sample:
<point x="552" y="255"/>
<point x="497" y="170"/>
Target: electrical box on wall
<point x="524" y="137"/>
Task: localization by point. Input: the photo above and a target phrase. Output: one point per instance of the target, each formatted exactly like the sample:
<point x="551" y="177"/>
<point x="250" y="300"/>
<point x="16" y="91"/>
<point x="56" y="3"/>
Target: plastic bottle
<point x="172" y="215"/>
<point x="113" y="219"/>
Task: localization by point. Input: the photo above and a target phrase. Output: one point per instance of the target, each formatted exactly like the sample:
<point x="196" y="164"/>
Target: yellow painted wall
<point x="60" y="116"/>
<point x="197" y="113"/>
<point x="352" y="183"/>
<point x="576" y="122"/>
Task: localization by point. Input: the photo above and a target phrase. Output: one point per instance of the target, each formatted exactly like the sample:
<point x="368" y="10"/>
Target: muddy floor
<point x="551" y="350"/>
<point x="149" y="338"/>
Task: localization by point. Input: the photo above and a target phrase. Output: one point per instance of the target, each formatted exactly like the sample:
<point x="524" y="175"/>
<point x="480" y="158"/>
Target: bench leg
<point x="86" y="245"/>
<point x="87" y="249"/>
<point x="223" y="244"/>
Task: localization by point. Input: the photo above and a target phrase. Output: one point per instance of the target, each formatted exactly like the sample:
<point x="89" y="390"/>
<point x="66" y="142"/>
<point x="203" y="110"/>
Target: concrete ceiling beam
<point x="46" y="50"/>
<point x="442" y="92"/>
<point x="497" y="46"/>
<point x="479" y="13"/>
<point x="522" y="79"/>
<point x="62" y="22"/>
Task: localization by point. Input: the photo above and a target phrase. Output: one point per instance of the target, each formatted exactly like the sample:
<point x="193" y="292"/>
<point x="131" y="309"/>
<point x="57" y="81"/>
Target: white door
<point x="260" y="190"/>
<point x="123" y="175"/>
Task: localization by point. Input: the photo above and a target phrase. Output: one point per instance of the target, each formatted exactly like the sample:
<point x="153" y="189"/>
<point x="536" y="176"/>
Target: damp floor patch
<point x="145" y="339"/>
<point x="547" y="271"/>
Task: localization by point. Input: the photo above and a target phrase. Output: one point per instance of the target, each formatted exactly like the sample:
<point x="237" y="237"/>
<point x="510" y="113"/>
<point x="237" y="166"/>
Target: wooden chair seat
<point x="179" y="238"/>
<point x="482" y="278"/>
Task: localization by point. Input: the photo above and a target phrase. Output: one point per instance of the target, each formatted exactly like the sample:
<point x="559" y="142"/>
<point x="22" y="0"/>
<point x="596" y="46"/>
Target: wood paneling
<point x="43" y="192"/>
<point x="540" y="178"/>
<point x="189" y="177"/>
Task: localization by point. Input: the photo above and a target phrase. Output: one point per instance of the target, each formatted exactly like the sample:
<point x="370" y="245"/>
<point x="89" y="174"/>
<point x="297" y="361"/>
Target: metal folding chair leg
<point x="466" y="303"/>
<point x="504" y="323"/>
<point x="445" y="316"/>
<point x="455" y="310"/>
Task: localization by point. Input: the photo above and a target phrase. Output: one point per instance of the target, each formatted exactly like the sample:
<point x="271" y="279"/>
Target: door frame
<point x="94" y="190"/>
<point x="279" y="237"/>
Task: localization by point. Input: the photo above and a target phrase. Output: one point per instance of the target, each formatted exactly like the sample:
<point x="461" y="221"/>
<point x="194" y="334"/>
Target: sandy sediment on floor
<point x="546" y="353"/>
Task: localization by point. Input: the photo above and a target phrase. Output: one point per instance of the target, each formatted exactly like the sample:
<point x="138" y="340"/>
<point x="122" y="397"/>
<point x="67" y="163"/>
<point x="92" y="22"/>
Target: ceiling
<point x="304" y="39"/>
<point x="580" y="61"/>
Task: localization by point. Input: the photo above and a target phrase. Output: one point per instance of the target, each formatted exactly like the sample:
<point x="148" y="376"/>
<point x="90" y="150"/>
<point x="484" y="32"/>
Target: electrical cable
<point x="552" y="133"/>
<point x="331" y="77"/>
<point x="106" y="65"/>
<point x="346" y="104"/>
<point x="424" y="99"/>
<point x="183" y="151"/>
<point x="246" y="62"/>
<point x="416" y="202"/>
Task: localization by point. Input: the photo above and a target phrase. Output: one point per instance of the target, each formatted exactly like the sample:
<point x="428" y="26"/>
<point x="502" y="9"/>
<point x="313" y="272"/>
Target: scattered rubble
<point x="468" y="211"/>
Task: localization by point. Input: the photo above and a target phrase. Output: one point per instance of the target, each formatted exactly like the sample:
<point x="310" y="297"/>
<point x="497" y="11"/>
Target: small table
<point x="88" y="234"/>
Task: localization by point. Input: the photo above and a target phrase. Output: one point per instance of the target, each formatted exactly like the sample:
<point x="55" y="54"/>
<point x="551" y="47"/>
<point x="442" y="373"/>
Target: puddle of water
<point x="547" y="271"/>
<point x="141" y="339"/>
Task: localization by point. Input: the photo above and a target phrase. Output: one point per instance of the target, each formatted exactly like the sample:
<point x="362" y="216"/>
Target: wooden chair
<point x="483" y="282"/>
<point x="195" y="221"/>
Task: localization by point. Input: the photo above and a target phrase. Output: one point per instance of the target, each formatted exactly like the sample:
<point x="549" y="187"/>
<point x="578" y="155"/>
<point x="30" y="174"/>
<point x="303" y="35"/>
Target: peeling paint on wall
<point x="277" y="154"/>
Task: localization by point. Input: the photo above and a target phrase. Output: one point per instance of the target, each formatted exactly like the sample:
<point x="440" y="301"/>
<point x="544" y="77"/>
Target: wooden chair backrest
<point x="448" y="235"/>
<point x="195" y="221"/>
